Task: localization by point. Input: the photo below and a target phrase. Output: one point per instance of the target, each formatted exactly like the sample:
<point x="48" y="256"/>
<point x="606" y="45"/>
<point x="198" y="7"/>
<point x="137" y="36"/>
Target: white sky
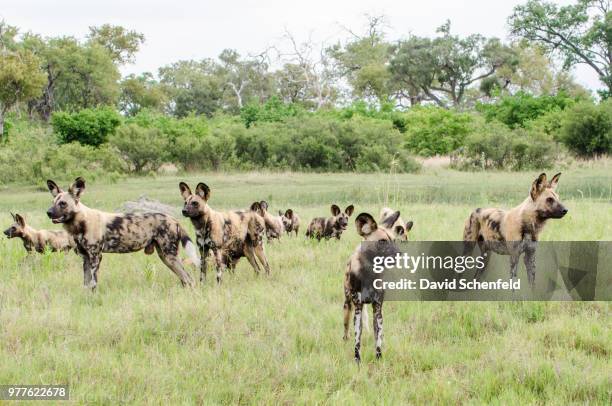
<point x="191" y="29"/>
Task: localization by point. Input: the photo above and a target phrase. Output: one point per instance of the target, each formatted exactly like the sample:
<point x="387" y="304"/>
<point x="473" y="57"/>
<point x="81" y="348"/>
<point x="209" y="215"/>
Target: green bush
<point x="495" y="146"/>
<point x="88" y="126"/>
<point x="587" y="129"/>
<point x="436" y="131"/>
<point x="144" y="149"/>
<point x="516" y="110"/>
<point x="274" y="110"/>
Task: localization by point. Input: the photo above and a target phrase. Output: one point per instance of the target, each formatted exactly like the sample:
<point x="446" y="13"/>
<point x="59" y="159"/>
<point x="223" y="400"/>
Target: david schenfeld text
<point x="452" y="284"/>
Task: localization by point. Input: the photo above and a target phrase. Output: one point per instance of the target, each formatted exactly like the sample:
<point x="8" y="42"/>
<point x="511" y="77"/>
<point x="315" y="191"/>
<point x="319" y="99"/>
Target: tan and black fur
<point x="291" y="221"/>
<point x="274" y="224"/>
<point x="514" y="232"/>
<point x="228" y="235"/>
<point x="39" y="240"/>
<point x="330" y="227"/>
<point x="400" y="228"/>
<point x="96" y="232"/>
<point x="358" y="278"/>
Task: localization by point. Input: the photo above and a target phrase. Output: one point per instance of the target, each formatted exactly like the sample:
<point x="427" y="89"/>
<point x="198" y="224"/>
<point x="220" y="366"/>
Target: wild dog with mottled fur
<point x="321" y="227"/>
<point x="39" y="240"/>
<point x="400" y="228"/>
<point x="96" y="232"/>
<point x="359" y="276"/>
<point x="274" y="224"/>
<point x="515" y="231"/>
<point x="290" y="220"/>
<point x="229" y="235"/>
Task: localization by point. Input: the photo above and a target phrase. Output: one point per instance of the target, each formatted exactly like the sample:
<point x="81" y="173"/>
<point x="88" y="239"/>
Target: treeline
<point x="367" y="103"/>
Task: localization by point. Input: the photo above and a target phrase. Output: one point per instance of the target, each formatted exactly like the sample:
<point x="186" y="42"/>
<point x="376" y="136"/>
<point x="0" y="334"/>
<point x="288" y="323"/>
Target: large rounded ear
<point x="538" y="185"/>
<point x="264" y="205"/>
<point x="409" y="225"/>
<point x="256" y="206"/>
<point x="185" y="190"/>
<point x="77" y="188"/>
<point x="349" y="210"/>
<point x="280" y="213"/>
<point x="554" y="181"/>
<point x="20" y="220"/>
<point x="289" y="214"/>
<point x="335" y="210"/>
<point x="399" y="230"/>
<point x="365" y="224"/>
<point x="13" y="216"/>
<point x="53" y="188"/>
<point x="391" y="219"/>
<point x="203" y="191"/>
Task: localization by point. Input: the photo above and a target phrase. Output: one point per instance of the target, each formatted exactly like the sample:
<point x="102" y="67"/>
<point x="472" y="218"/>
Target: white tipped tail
<point x="365" y="319"/>
<point x="192" y="253"/>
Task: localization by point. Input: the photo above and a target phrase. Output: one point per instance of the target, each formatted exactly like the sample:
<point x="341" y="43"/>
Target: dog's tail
<point x="190" y="249"/>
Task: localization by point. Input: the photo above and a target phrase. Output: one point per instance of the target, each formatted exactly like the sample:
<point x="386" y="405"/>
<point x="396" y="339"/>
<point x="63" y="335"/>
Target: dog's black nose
<point x="564" y="212"/>
<point x="50" y="213"/>
<point x="184" y="212"/>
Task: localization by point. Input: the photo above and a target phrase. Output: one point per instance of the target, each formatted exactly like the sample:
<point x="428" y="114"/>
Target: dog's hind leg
<point x="171" y="260"/>
<point x="249" y="252"/>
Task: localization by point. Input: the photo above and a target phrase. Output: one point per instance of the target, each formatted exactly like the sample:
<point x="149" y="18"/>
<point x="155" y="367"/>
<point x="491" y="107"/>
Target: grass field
<point x="141" y="338"/>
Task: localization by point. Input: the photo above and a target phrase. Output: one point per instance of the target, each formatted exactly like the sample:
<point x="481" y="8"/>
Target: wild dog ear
<point x="203" y="191"/>
<point x="554" y="181"/>
<point x="349" y="210"/>
<point x="13" y="216"/>
<point x="538" y="185"/>
<point x="391" y="219"/>
<point x="77" y="188"/>
<point x="409" y="225"/>
<point x="289" y="214"/>
<point x="264" y="205"/>
<point x="20" y="220"/>
<point x="185" y="190"/>
<point x="365" y="224"/>
<point x="256" y="206"/>
<point x="53" y="188"/>
<point x="280" y="213"/>
<point x="335" y="210"/>
<point x="399" y="230"/>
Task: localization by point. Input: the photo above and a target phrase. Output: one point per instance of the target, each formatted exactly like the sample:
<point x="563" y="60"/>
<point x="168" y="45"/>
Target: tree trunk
<point x="2" y="126"/>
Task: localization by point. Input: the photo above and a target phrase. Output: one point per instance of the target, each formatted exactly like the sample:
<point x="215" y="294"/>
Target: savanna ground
<point x="141" y="338"/>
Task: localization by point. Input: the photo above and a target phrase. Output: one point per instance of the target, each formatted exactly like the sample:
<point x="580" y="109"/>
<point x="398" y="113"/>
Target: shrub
<point x="495" y="146"/>
<point x="436" y="131"/>
<point x="88" y="126"/>
<point x="274" y="110"/>
<point x="587" y="129"/>
<point x="516" y="110"/>
<point x="142" y="148"/>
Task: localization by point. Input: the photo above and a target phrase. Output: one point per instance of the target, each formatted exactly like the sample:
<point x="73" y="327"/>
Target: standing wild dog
<point x="400" y="228"/>
<point x="39" y="240"/>
<point x="321" y="227"/>
<point x="359" y="277"/>
<point x="291" y="221"/>
<point x="96" y="232"/>
<point x="515" y="231"/>
<point x="274" y="224"/>
<point x="229" y="235"/>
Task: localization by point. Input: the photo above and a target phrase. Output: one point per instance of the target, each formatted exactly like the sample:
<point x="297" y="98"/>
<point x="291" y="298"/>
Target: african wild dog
<point x="96" y="232"/>
<point x="359" y="276"/>
<point x="400" y="228"/>
<point x="39" y="240"/>
<point x="321" y="227"/>
<point x="274" y="224"/>
<point x="291" y="221"/>
<point x="229" y="235"/>
<point x="515" y="231"/>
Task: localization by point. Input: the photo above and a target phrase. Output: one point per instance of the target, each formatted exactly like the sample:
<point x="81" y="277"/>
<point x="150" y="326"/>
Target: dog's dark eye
<point x="13" y="229"/>
<point x="550" y="200"/>
<point x="62" y="204"/>
<point x="194" y="204"/>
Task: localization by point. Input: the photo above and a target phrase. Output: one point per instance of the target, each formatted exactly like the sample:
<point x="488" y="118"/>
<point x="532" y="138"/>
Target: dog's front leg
<point x="203" y="261"/>
<point x="357" y="322"/>
<point x="378" y="327"/>
<point x="529" y="260"/>
<point x="219" y="264"/>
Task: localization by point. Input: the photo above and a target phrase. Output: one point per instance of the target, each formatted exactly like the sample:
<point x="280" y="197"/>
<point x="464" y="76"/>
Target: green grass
<point x="142" y="338"/>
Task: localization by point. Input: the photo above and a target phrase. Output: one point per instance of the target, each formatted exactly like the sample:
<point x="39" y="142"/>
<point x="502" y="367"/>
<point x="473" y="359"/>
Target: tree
<point x="122" y="44"/>
<point x="21" y="78"/>
<point x="193" y="87"/>
<point x="580" y="33"/>
<point x="446" y="67"/>
<point x="141" y="92"/>
<point x="243" y="79"/>
<point x="362" y="61"/>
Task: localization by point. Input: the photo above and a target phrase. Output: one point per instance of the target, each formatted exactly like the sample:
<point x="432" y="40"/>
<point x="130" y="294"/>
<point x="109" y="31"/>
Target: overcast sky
<point x="192" y="29"/>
